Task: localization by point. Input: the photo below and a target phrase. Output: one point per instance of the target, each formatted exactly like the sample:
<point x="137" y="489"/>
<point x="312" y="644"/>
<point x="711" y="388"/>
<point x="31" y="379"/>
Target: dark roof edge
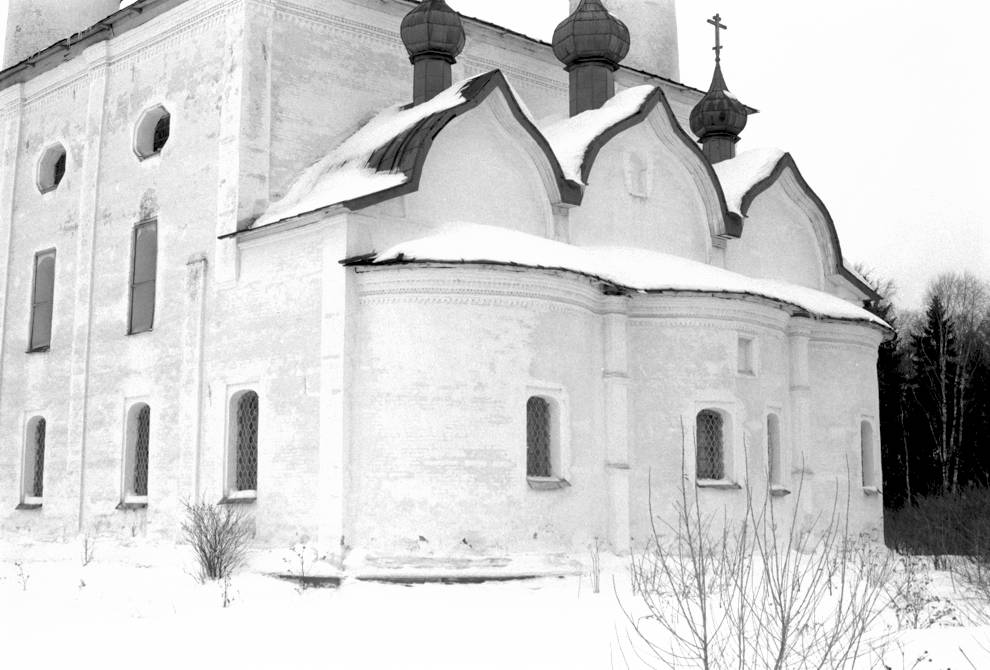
<point x="136" y="14"/>
<point x="787" y="161"/>
<point x="733" y="222"/>
<point x="368" y="261"/>
<point x="475" y="91"/>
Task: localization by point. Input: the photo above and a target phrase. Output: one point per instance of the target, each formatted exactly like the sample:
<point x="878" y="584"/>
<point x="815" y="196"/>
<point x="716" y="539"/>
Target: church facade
<point x="408" y="282"/>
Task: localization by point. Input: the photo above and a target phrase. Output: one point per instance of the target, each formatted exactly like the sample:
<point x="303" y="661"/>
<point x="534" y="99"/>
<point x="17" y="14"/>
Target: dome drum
<point x="433" y="36"/>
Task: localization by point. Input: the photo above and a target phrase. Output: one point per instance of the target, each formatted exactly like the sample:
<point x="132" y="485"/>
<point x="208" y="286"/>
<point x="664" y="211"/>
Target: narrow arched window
<point x="538" y="438"/>
<point x="710" y="443"/>
<point x="245" y="435"/>
<point x="34" y="461"/>
<point x="774" y="455"/>
<point x="868" y="455"/>
<point x="136" y="455"/>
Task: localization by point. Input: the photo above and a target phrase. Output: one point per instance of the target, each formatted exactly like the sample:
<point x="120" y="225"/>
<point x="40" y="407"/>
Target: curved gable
<point x="385" y="158"/>
<point x="484" y="168"/>
<point x="655" y="112"/>
<point x="787" y="178"/>
<point x="408" y="152"/>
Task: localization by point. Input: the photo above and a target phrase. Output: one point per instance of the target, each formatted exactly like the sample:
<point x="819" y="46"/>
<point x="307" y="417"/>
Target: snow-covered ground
<point x="144" y="609"/>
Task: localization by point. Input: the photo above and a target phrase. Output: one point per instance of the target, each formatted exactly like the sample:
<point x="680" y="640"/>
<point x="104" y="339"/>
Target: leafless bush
<point x="757" y="592"/>
<point x="88" y="548"/>
<point x="915" y="604"/>
<point x="22" y="575"/>
<point x="596" y="565"/>
<point x="219" y="536"/>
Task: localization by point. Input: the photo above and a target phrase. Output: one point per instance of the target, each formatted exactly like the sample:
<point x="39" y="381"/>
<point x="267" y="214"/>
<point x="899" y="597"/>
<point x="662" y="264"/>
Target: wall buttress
<point x="616" y="389"/>
<point x="97" y="60"/>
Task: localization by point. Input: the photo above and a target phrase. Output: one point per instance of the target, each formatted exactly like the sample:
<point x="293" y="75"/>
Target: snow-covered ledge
<point x="133" y="502"/>
<point x="547" y="483"/>
<point x="718" y="484"/>
<point x="31" y="502"/>
<point x="239" y="498"/>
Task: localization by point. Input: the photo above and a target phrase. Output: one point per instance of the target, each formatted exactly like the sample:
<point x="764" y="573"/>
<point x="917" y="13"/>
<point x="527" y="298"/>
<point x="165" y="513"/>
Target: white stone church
<point x="408" y="282"/>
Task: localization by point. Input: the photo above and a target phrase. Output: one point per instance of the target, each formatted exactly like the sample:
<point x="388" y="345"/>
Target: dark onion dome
<point x="433" y="30"/>
<point x="591" y="34"/>
<point x="719" y="112"/>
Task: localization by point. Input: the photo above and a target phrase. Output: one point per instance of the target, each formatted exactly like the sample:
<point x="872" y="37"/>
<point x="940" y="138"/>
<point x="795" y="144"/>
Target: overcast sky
<point x="883" y="104"/>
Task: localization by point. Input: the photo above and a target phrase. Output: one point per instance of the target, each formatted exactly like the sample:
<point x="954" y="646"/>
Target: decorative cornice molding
<point x="474" y="285"/>
<point x="158" y="35"/>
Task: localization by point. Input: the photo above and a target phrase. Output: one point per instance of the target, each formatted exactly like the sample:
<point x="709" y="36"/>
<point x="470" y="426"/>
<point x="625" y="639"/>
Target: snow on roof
<point x="571" y="137"/>
<point x="637" y="269"/>
<point x="344" y="173"/>
<point x="740" y="174"/>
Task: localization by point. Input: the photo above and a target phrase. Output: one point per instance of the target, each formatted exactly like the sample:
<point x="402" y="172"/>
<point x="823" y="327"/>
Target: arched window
<point x="710" y="445"/>
<point x="136" y="453"/>
<point x="774" y="455"/>
<point x="244" y="435"/>
<point x="539" y="437"/>
<point x="51" y="168"/>
<point x="152" y="131"/>
<point x="34" y="461"/>
<point x="870" y="479"/>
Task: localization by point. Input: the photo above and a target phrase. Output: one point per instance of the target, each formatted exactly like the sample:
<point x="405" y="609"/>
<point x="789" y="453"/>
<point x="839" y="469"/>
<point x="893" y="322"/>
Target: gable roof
<point x="749" y="174"/>
<point x="578" y="140"/>
<point x="385" y="157"/>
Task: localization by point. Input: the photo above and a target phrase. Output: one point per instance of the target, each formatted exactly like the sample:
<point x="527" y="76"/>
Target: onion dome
<point x="433" y="30"/>
<point x="719" y="112"/>
<point x="591" y="34"/>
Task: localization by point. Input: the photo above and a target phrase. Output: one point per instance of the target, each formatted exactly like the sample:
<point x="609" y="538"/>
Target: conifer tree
<point x="932" y="388"/>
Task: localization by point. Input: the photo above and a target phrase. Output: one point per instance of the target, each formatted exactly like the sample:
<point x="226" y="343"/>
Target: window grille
<point x="710" y="463"/>
<point x="246" y="471"/>
<point x="58" y="171"/>
<point x="162" y="128"/>
<point x="42" y="300"/>
<point x="144" y="268"/>
<point x="538" y="438"/>
<point x="38" y="481"/>
<point x="141" y="442"/>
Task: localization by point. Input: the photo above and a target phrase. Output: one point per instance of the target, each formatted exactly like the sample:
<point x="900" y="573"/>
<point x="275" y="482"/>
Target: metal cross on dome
<point x="719" y="26"/>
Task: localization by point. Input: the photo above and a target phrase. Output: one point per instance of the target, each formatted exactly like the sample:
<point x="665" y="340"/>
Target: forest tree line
<point x="934" y="376"/>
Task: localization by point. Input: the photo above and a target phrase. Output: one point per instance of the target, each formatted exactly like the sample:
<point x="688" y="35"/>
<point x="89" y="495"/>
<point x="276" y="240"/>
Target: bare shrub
<point x="956" y="523"/>
<point x="757" y="591"/>
<point x="22" y="575"/>
<point x="88" y="549"/>
<point x="915" y="603"/>
<point x="596" y="565"/>
<point x="219" y="536"/>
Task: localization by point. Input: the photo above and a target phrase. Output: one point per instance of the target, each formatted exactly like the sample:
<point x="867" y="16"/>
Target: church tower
<point x="28" y="26"/>
<point x="653" y="24"/>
